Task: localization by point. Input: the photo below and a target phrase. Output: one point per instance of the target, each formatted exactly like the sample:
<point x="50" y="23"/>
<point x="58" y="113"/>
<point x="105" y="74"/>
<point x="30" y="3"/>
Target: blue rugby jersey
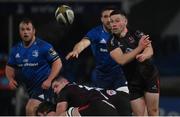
<point x="33" y="62"/>
<point x="99" y="38"/>
<point x="107" y="74"/>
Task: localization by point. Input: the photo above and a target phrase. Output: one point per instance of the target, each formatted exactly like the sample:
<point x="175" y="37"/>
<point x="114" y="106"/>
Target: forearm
<point x="123" y="58"/>
<point x="148" y="52"/>
<point x="55" y="69"/>
<point x="10" y="72"/>
<point x="128" y="57"/>
<point x="80" y="46"/>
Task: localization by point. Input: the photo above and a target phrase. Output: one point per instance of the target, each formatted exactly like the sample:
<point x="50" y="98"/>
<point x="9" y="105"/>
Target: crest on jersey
<point x="131" y="39"/>
<point x="35" y="53"/>
<point x="111" y="92"/>
<point x="52" y="52"/>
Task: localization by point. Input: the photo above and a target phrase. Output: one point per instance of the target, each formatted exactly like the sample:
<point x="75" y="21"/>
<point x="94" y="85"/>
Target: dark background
<point x="158" y="18"/>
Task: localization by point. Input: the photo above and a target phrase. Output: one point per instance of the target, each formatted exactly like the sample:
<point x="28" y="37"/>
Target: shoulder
<point x="96" y="29"/>
<point x="136" y="33"/>
<point x="17" y="46"/>
<point x="41" y="42"/>
<point x="44" y="45"/>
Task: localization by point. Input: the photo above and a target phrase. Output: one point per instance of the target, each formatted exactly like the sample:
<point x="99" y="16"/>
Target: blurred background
<point x="158" y="18"/>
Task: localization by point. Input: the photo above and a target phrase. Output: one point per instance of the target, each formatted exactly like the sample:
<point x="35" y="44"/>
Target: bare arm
<point x="55" y="69"/>
<point x="123" y="58"/>
<point x="146" y="54"/>
<point x="78" y="48"/>
<point x="61" y="108"/>
<point x="10" y="74"/>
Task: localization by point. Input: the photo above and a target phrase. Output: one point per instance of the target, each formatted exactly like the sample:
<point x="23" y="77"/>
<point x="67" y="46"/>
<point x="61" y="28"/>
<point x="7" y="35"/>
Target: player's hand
<point x="13" y="84"/>
<point x="72" y="54"/>
<point x="46" y="84"/>
<point x="141" y="57"/>
<point x="144" y="41"/>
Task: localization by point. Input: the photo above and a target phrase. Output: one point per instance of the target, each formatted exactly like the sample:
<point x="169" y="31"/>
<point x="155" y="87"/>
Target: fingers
<point x="140" y="57"/>
<point x="72" y="54"/>
<point x="144" y="41"/>
<point x="13" y="84"/>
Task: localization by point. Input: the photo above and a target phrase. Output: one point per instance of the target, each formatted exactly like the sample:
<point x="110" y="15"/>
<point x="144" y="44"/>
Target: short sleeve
<point x="91" y="35"/>
<point x="11" y="60"/>
<point x="62" y="96"/>
<point x="50" y="54"/>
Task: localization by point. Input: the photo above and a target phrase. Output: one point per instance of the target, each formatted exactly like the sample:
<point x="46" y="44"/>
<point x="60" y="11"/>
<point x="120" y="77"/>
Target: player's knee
<point x="153" y="112"/>
<point x="30" y="110"/>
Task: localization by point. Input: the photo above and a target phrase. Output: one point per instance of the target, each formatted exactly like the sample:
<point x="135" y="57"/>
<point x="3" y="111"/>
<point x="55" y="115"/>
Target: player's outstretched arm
<point x="78" y="48"/>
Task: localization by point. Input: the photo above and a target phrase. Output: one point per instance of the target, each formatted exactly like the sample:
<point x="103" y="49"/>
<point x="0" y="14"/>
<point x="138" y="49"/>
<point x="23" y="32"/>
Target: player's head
<point x="45" y="108"/>
<point x="27" y="30"/>
<point x="59" y="83"/>
<point x="118" y="21"/>
<point x="105" y="13"/>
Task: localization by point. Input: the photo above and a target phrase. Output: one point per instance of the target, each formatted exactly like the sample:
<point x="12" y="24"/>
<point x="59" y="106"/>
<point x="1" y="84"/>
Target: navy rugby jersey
<point x="133" y="68"/>
<point x="33" y="62"/>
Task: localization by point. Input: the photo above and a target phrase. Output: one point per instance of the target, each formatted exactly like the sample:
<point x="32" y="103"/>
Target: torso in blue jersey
<point x="99" y="38"/>
<point x="33" y="62"/>
<point x="107" y="74"/>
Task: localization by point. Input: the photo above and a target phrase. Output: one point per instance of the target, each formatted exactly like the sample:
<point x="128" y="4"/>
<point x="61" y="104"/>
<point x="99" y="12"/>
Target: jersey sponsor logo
<point x="35" y="53"/>
<point x="30" y="64"/>
<point x="17" y="55"/>
<point x="25" y="60"/>
<point x="111" y="92"/>
<point x="119" y="44"/>
<point x="154" y="87"/>
<point x="52" y="52"/>
<point x="103" y="50"/>
<point x="103" y="41"/>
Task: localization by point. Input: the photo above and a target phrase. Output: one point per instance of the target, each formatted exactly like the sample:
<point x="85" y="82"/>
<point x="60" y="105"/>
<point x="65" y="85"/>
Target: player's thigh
<point x="32" y="105"/>
<point x="152" y="100"/>
<point x="138" y="106"/>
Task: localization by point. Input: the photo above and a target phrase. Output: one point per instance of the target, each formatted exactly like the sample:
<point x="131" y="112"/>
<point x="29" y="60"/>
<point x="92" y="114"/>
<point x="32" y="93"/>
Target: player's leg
<point x="152" y="94"/>
<point x="31" y="106"/>
<point x="152" y="102"/>
<point x="98" y="108"/>
<point x="138" y="106"/>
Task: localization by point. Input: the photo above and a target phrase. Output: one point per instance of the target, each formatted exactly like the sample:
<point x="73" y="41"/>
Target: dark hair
<point x="116" y="12"/>
<point x="26" y="21"/>
<point x="45" y="107"/>
<point x="111" y="7"/>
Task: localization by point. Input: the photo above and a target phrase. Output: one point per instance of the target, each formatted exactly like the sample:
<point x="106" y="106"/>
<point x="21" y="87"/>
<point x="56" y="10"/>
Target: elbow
<point x="57" y="64"/>
<point x="120" y="61"/>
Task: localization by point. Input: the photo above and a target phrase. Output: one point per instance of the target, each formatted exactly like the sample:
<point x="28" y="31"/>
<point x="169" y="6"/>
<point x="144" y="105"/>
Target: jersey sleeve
<point x="91" y="35"/>
<point x="112" y="44"/>
<point x="137" y="35"/>
<point x="62" y="96"/>
<point x="50" y="54"/>
<point x="11" y="60"/>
